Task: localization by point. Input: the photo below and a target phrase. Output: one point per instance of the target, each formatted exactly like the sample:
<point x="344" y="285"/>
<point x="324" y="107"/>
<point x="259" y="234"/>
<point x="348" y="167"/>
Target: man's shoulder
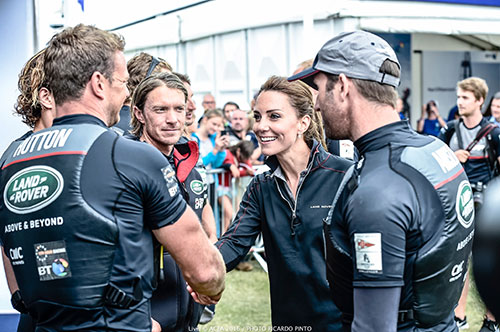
<point x="139" y="152"/>
<point x="496" y="131"/>
<point x="14" y="144"/>
<point x="447" y="131"/>
<point x="377" y="174"/>
<point x="382" y="192"/>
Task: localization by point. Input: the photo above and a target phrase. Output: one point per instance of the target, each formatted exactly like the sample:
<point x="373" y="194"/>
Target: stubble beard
<point x="335" y="122"/>
<point x="114" y="118"/>
<point x="338" y="131"/>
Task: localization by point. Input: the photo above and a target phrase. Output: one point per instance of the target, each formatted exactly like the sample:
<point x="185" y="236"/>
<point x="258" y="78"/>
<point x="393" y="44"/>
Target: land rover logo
<point x="32" y="189"/>
<point x="196" y="186"/>
<point x="465" y="204"/>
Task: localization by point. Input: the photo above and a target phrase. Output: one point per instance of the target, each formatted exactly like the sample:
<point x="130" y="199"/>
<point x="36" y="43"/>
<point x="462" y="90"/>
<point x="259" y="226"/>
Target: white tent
<point x="230" y="47"/>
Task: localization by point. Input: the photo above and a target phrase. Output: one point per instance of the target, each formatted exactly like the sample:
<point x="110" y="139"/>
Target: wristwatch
<point x="17" y="302"/>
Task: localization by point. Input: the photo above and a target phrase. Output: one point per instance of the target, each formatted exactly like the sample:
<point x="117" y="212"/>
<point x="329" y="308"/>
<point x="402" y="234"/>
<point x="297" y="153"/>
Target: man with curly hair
<point x="35" y="104"/>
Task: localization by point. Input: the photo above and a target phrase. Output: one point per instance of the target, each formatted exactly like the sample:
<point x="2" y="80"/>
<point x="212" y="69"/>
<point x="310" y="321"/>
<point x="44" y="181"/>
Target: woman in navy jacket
<point x="287" y="204"/>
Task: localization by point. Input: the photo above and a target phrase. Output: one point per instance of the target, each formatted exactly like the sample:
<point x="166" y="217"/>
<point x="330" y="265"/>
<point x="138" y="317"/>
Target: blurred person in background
<point x="227" y="110"/>
<point x="237" y="164"/>
<point x="210" y="139"/>
<point x="399" y="108"/>
<point x="480" y="162"/>
<point x="239" y="131"/>
<point x="212" y="146"/>
<point x="430" y="122"/>
<point x="303" y="66"/>
<point x="493" y="110"/>
<point x="208" y="102"/>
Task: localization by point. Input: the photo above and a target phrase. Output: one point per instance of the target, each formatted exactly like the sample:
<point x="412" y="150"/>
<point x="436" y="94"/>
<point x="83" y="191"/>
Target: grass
<point x="245" y="305"/>
<point x="475" y="308"/>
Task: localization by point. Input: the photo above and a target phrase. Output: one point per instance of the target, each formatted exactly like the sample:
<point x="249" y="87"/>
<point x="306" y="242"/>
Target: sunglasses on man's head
<point x="154" y="62"/>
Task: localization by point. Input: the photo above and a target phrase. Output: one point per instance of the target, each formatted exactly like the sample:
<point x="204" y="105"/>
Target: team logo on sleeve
<point x="32" y="189"/>
<point x="368" y="247"/>
<point x="197" y="186"/>
<point x="465" y="204"/>
<point x="170" y="179"/>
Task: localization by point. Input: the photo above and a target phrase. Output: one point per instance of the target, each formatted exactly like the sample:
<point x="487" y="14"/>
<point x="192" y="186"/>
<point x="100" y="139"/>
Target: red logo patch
<point x="362" y="244"/>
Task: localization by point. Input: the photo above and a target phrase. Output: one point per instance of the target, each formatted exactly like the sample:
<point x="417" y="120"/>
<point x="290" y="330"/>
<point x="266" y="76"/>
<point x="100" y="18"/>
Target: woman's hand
<point x="221" y="142"/>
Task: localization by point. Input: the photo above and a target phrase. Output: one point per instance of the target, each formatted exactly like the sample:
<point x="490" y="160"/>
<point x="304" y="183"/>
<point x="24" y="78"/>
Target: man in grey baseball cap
<point x="389" y="262"/>
<point x="357" y="54"/>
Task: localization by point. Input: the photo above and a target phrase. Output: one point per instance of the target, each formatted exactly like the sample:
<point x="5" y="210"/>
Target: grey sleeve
<point x="376" y="309"/>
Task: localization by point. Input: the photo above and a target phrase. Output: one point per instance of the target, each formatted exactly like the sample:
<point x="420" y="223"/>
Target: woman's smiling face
<point x="276" y="123"/>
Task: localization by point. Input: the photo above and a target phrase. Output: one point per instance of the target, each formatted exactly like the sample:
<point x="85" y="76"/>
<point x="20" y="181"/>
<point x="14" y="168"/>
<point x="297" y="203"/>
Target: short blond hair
<point x="476" y="85"/>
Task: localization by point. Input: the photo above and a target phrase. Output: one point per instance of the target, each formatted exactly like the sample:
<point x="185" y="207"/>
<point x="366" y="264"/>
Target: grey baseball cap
<point x="356" y="54"/>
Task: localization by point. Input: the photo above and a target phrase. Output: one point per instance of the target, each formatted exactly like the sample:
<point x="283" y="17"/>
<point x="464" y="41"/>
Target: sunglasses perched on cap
<point x="154" y="62"/>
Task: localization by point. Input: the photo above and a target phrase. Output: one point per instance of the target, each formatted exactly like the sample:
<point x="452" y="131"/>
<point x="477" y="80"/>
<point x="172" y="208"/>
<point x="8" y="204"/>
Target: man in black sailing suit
<point x="397" y="258"/>
<point x="35" y="104"/>
<point x="159" y="105"/>
<point x="82" y="203"/>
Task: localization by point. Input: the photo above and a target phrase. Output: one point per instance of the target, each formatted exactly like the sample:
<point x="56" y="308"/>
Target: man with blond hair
<point x="480" y="161"/>
<point x="471" y="94"/>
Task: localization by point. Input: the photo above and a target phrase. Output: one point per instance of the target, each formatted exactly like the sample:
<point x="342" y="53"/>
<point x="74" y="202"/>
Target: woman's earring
<point x="299" y="135"/>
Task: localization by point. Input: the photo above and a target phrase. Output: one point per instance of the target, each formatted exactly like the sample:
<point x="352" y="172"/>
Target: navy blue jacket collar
<point x="78" y="119"/>
<point x="380" y="137"/>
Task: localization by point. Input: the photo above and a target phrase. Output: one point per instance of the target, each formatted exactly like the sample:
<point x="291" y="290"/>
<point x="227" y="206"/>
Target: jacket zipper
<point x="294" y="208"/>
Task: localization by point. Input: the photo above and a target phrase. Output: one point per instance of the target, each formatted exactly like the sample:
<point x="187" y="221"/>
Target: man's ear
<point x="139" y="115"/>
<point x="344" y="86"/>
<point x="97" y="85"/>
<point x="46" y="99"/>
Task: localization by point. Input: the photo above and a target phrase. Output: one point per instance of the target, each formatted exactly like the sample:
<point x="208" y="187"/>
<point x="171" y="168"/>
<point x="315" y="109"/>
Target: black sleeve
<point x="376" y="309"/>
<point x="446" y="133"/>
<point x="378" y="218"/>
<point x="155" y="180"/>
<point x="241" y="235"/>
<point x="134" y="183"/>
<point x="495" y="137"/>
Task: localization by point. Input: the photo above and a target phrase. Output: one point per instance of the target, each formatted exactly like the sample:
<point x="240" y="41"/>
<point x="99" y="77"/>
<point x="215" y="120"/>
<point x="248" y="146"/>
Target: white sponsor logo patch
<point x="456" y="271"/>
<point x="368" y="247"/>
<point x="32" y="189"/>
<point x="16" y="256"/>
<point x="465" y="204"/>
<point x="170" y="180"/>
<point x="346" y="149"/>
<point x="445" y="158"/>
